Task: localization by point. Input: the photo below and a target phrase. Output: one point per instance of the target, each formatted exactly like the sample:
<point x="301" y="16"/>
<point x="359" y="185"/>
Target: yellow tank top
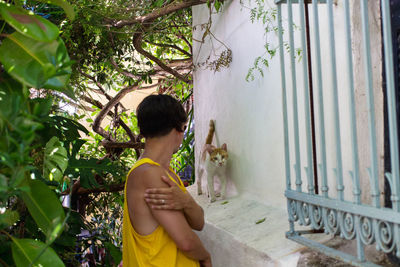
<point x="156" y="249"/>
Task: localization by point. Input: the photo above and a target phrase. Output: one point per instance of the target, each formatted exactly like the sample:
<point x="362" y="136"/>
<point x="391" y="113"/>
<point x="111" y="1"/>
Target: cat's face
<point x="219" y="156"/>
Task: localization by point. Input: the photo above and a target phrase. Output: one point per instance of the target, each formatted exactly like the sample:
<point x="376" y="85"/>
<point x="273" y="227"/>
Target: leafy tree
<point x="53" y="52"/>
<point x="32" y="218"/>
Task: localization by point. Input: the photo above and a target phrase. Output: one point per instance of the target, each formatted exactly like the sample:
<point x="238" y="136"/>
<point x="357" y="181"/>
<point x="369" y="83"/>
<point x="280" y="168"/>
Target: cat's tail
<point x="210" y="133"/>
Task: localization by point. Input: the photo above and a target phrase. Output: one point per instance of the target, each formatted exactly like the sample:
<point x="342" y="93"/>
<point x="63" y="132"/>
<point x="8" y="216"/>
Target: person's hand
<point x="206" y="263"/>
<point x="172" y="198"/>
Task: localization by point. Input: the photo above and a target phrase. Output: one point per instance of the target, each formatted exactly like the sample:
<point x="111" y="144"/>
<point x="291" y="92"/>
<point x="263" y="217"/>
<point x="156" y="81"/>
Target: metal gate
<point x="327" y="211"/>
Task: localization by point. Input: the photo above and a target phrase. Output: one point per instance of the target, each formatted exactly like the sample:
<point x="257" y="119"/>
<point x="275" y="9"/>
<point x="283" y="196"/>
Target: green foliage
<point x="217" y="4"/>
<point x="115" y="252"/>
<point x="8" y="218"/>
<point x="55" y="160"/>
<point x="28" y="24"/>
<point x="68" y="9"/>
<point x="266" y="15"/>
<point x="45" y="208"/>
<point x="32" y="57"/>
<point x="43" y="155"/>
<point x="185" y="156"/>
<point x="29" y="252"/>
<point x="35" y="63"/>
<point x="86" y="169"/>
<point x="260" y="62"/>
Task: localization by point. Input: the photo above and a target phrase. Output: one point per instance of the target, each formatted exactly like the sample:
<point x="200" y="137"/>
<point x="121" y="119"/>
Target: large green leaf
<point x="115" y="252"/>
<point x="45" y="208"/>
<point x="55" y="160"/>
<point x="68" y="9"/>
<point x="67" y="128"/>
<point x="28" y="23"/>
<point x="34" y="63"/>
<point x="26" y="251"/>
<point x="87" y="168"/>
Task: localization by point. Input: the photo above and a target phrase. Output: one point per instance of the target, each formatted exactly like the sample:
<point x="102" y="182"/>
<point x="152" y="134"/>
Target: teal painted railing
<point x="327" y="212"/>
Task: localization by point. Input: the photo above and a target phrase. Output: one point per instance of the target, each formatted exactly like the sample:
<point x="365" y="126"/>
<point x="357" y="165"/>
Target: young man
<point x="159" y="214"/>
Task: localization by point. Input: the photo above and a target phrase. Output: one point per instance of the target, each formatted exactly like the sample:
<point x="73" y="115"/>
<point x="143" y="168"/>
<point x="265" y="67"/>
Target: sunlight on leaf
<point x="47" y="214"/>
<point x="31" y="25"/>
<point x="55" y="160"/>
<point x="27" y="251"/>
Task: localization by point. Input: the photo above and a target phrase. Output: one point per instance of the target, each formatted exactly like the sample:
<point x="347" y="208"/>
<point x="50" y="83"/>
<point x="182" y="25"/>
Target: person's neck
<point x="158" y="150"/>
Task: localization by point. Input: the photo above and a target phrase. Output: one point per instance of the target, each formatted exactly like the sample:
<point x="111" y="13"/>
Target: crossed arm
<point x="173" y="198"/>
<point x="177" y="222"/>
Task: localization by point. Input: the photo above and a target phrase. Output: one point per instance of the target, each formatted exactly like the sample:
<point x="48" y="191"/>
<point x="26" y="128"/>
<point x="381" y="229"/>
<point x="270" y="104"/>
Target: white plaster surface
<point x="248" y="117"/>
<point x="234" y="239"/>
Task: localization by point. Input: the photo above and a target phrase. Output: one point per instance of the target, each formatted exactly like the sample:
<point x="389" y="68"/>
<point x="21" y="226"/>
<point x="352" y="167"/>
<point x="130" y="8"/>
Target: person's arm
<point x="172" y="197"/>
<point x="175" y="223"/>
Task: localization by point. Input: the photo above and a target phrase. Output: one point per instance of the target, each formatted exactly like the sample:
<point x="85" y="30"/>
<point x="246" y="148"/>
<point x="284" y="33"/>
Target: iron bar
<point x="284" y="110"/>
<point x="312" y="110"/>
<point x="339" y="168"/>
<point x="394" y="146"/>
<point x="323" y="168"/>
<point x="307" y="95"/>
<point x="294" y="99"/>
<point x="284" y="99"/>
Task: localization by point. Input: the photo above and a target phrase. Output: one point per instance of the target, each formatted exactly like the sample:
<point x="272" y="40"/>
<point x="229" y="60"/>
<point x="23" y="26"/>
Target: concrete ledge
<point x="234" y="238"/>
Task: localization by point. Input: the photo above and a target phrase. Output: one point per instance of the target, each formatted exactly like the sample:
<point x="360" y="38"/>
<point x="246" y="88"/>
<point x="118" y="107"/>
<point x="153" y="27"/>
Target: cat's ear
<point x="224" y="147"/>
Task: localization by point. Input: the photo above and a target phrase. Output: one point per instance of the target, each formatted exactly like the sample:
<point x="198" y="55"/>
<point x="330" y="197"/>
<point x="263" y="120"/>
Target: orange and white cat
<point x="213" y="161"/>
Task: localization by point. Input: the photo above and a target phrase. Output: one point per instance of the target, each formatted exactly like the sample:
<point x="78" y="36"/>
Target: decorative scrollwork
<point x="384" y="233"/>
<point x="347" y="225"/>
<point x="303" y="211"/>
<point x="366" y="230"/>
<point x="332" y="226"/>
<point x="293" y="211"/>
<point x="384" y="240"/>
<point x="316" y="217"/>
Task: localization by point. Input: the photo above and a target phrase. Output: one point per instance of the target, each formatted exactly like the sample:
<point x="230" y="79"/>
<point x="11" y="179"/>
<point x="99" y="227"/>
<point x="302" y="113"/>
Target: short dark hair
<point x="157" y="115"/>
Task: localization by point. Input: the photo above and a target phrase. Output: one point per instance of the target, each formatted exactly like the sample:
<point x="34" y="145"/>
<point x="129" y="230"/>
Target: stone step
<point x="241" y="232"/>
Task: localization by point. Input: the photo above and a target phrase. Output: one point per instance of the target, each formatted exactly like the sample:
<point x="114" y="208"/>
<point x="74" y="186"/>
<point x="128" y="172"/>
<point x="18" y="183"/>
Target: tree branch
<point x="171" y="8"/>
<point x="106" y="109"/>
<point x="171" y="46"/>
<point x="123" y="72"/>
<point x="137" y="43"/>
<point x="110" y="144"/>
<point x="181" y="36"/>
<point x="111" y="114"/>
<point x="78" y="190"/>
<point x="101" y="88"/>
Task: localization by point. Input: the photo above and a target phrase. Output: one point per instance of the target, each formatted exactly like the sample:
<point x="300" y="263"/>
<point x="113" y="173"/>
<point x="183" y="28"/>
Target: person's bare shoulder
<point x="139" y="180"/>
<point x="146" y="176"/>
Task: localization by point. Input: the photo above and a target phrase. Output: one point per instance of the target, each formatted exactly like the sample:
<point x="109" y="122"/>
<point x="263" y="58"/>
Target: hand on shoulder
<point x="167" y="198"/>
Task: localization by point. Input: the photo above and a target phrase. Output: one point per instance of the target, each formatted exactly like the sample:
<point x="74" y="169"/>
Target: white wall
<point x="249" y="114"/>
